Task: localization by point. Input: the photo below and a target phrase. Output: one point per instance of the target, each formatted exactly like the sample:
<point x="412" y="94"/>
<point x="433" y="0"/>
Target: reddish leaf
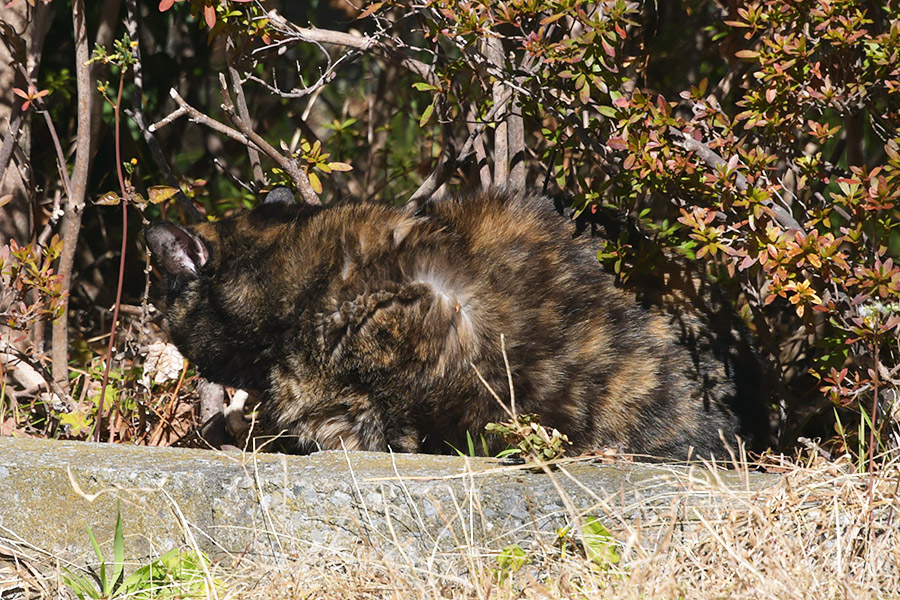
<point x="370" y="9"/>
<point x="209" y="13"/>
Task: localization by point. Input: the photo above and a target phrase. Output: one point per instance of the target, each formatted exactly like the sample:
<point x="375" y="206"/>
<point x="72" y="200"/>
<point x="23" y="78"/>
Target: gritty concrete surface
<point x="229" y="503"/>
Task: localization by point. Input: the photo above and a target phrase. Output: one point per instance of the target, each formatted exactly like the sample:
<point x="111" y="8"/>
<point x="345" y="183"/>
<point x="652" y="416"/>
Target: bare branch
<point x="198" y="117"/>
<point x="294" y="34"/>
<point x="782" y="215"/>
<point x="445" y="166"/>
<point x="258" y="175"/>
<point x="301" y="92"/>
<point x="297" y="175"/>
<point x="493" y="52"/>
<point x="246" y="136"/>
<point x="515" y="140"/>
<point x="168" y="119"/>
<point x="75" y="202"/>
<point x="40" y="108"/>
<point x="9" y="143"/>
<point x="484" y="169"/>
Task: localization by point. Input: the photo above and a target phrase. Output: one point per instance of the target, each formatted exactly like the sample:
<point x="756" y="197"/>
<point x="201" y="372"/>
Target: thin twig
<point x="115" y="319"/>
<point x="247" y="137"/>
<point x="40" y="108"/>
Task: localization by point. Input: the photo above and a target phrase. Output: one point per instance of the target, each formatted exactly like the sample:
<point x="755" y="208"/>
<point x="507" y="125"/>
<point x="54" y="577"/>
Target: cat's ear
<point x="178" y="250"/>
<point x="279" y="195"/>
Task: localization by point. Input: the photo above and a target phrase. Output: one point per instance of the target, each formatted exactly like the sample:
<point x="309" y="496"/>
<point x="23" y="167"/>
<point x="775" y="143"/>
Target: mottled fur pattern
<point x="363" y="326"/>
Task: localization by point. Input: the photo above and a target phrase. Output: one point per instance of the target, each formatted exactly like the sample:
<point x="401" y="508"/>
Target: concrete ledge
<point x="271" y="505"/>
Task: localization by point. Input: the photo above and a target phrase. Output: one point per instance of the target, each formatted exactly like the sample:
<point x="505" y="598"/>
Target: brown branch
<point x="75" y="202"/>
<point x="297" y="175"/>
<point x="515" y="134"/>
<point x="449" y="160"/>
<point x="708" y="156"/>
<point x="242" y="111"/>
<point x="295" y="34"/>
<point x="493" y="52"/>
<point x="245" y="135"/>
<point x="484" y="169"/>
<point x="9" y="143"/>
<point x="515" y="140"/>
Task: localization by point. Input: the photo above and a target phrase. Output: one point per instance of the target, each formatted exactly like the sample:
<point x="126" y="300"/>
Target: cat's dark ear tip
<point x="279" y="195"/>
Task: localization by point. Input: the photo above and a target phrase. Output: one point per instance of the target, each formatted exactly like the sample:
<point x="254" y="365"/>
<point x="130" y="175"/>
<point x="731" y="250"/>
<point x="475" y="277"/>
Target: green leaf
<point x="340" y="166"/>
<point x="552" y="18"/>
<point x="160" y="193"/>
<point x="599" y="543"/>
<point x="512" y="558"/>
<point x="426" y="116"/>
<point x="108" y="199"/>
<point x="607" y="111"/>
<point x="94" y="544"/>
<point x="118" y="547"/>
<point x="315" y="182"/>
<point x="585" y="93"/>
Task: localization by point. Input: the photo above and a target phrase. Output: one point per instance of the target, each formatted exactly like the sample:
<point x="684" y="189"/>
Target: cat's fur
<point x="366" y="325"/>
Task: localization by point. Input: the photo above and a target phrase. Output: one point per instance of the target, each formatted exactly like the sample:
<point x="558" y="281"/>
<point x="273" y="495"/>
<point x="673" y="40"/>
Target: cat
<point x="370" y="327"/>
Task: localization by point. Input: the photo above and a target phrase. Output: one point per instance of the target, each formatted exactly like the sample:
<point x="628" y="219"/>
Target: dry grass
<point x="814" y="534"/>
<point x="818" y="532"/>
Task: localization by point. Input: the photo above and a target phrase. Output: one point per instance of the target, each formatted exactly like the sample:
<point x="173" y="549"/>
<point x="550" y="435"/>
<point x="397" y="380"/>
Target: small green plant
<point x="175" y="574"/>
<point x="529" y="439"/>
<point x="511" y="559"/>
<point x="597" y="544"/>
<point x="107" y="581"/>
<point x="855" y="443"/>
<point x="472" y="450"/>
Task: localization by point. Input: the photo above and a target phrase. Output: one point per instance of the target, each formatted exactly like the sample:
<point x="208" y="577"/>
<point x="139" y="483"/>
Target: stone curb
<point x="271" y="505"/>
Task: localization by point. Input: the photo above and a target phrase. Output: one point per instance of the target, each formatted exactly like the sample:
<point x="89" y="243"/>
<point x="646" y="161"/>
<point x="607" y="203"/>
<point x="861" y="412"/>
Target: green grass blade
<point x="118" y="548"/>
